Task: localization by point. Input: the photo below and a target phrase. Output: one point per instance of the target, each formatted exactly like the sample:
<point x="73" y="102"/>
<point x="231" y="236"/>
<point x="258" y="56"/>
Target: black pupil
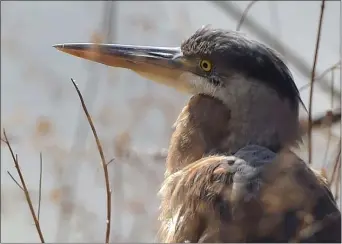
<point x="205" y="65"/>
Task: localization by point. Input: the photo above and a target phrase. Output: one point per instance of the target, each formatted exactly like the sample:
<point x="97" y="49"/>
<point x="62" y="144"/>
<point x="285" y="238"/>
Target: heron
<point x="231" y="174"/>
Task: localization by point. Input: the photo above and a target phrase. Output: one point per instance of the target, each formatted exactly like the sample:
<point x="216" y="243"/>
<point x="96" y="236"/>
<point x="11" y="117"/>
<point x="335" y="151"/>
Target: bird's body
<point x="230" y="175"/>
<point x="200" y="191"/>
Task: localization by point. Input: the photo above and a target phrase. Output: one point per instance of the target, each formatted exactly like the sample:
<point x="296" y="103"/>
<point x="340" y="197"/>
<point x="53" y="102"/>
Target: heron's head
<point x="223" y="64"/>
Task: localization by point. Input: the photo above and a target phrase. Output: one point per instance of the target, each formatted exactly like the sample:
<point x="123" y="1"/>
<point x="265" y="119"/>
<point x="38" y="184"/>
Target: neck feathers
<point x="209" y="126"/>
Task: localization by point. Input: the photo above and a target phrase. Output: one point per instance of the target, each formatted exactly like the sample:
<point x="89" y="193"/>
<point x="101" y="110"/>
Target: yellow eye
<point x="206" y="65"/>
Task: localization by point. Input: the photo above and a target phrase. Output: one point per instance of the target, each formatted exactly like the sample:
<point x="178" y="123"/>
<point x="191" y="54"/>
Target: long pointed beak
<point x="160" y="64"/>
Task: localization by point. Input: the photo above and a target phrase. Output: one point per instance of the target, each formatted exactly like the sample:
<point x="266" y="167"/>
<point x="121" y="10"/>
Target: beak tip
<point x="58" y="46"/>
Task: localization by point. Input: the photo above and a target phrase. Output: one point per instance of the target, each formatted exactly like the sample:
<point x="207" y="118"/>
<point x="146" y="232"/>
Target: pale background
<point x="41" y="112"/>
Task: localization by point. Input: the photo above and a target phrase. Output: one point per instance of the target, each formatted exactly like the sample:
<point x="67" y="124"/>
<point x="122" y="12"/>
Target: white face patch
<point x="198" y="84"/>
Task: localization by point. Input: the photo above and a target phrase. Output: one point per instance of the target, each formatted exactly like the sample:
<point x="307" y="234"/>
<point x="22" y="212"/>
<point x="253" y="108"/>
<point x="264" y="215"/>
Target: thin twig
<point x="104" y="164"/>
<point x="244" y="14"/>
<point x="325" y="158"/>
<point x="338" y="181"/>
<point x="336" y="165"/>
<point x="330" y="127"/>
<point x="110" y="161"/>
<point x="70" y="177"/>
<point x="332" y="90"/>
<point x="312" y="80"/>
<point x="15" y="181"/>
<point x="324" y="73"/>
<point x="332" y="117"/>
<point x="40" y="182"/>
<point x="27" y="195"/>
<point x="274" y="19"/>
<point x="328" y="119"/>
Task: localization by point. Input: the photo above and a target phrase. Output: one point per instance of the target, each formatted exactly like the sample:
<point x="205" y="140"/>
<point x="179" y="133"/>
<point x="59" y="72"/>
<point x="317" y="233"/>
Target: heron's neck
<point x="207" y="126"/>
<point x="271" y="127"/>
<point x="258" y="115"/>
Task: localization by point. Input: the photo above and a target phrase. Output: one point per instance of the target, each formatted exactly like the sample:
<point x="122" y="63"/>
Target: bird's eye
<point x="206" y="65"/>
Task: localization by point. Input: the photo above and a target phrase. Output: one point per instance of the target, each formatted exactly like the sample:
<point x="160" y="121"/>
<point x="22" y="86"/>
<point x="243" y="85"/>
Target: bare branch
<point x="336" y="164"/>
<point x="40" y="182"/>
<point x="338" y="181"/>
<point x="110" y="161"/>
<point x="104" y="164"/>
<point x="105" y="34"/>
<point x="312" y="80"/>
<point x="320" y="77"/>
<point x="244" y="14"/>
<point x="328" y="119"/>
<point x="15" y="181"/>
<point x="330" y="129"/>
<point x="27" y="195"/>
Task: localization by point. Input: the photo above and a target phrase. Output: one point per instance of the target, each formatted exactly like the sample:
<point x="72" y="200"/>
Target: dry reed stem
<point x="103" y="160"/>
<point x="330" y="128"/>
<point x="244" y="14"/>
<point x="330" y="118"/>
<point x="318" y="39"/>
<point x="40" y="182"/>
<point x="338" y="181"/>
<point x="324" y="73"/>
<point x="325" y="158"/>
<point x="326" y="120"/>
<point x="336" y="165"/>
<point x="15" y="181"/>
<point x="24" y="188"/>
<point x="104" y="34"/>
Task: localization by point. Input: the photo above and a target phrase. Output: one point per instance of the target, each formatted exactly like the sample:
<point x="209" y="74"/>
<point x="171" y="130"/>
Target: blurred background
<point x="41" y="111"/>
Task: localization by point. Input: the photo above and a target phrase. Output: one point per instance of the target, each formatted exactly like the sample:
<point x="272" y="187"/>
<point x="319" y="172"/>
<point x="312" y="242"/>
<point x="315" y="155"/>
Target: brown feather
<point x="200" y="205"/>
